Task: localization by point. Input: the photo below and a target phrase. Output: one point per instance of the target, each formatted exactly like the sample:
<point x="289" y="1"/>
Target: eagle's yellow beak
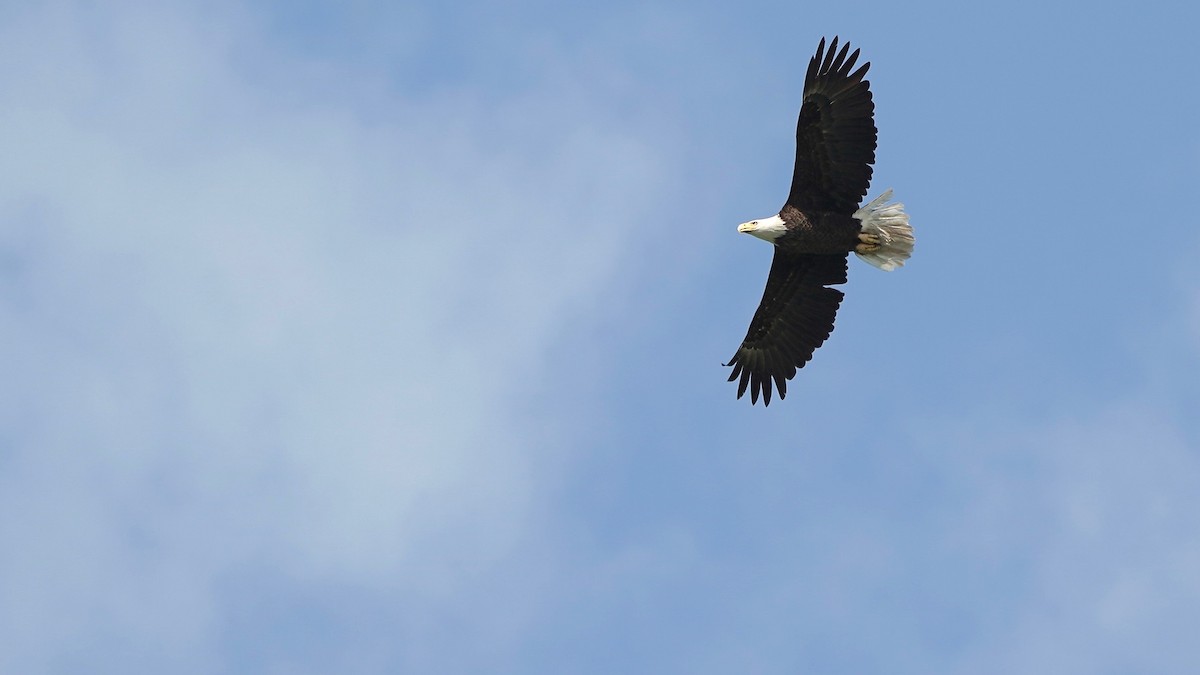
<point x="748" y="227"/>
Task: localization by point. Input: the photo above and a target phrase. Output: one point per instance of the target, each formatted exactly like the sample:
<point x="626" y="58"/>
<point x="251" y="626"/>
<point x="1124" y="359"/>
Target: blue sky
<point x="375" y="338"/>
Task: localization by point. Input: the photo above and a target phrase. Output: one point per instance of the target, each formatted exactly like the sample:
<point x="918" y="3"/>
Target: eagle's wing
<point x="795" y="316"/>
<point x="835" y="135"/>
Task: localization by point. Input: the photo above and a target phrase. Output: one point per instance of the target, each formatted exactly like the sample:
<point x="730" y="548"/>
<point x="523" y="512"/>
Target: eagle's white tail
<point x="889" y="222"/>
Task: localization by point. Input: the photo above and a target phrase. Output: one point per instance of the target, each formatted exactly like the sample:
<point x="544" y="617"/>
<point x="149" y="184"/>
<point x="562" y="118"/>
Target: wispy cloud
<point x="260" y="334"/>
<point x="1085" y="523"/>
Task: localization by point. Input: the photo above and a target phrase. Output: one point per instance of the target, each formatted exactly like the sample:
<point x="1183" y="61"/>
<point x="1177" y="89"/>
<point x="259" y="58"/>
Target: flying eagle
<point x="819" y="226"/>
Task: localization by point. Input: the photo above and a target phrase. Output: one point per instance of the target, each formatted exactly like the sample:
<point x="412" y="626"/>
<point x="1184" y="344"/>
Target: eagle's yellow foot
<point x="867" y="243"/>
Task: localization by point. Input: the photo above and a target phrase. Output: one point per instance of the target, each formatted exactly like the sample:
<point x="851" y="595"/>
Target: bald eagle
<point x="819" y="226"/>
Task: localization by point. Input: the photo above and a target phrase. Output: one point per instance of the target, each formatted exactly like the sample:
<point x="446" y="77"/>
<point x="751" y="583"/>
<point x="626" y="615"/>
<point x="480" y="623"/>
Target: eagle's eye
<point x="754" y="222"/>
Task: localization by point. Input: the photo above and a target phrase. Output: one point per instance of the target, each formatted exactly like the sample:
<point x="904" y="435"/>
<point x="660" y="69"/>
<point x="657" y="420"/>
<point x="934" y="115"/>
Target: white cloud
<point x="255" y="329"/>
<point x="1084" y="527"/>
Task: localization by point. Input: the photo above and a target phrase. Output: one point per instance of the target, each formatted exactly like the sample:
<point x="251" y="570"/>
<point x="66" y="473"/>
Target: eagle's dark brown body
<point x="820" y="232"/>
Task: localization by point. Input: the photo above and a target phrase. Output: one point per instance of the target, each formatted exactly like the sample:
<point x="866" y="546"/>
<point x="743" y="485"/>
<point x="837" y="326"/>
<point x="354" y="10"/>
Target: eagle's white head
<point x="767" y="229"/>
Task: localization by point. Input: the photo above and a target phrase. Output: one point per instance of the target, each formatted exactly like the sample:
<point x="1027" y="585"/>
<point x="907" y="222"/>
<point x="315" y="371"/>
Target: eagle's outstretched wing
<point x="835" y="135"/>
<point x="795" y="316"/>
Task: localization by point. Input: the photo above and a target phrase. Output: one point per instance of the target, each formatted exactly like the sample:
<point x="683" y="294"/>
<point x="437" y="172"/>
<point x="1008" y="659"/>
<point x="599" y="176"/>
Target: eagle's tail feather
<point x="889" y="223"/>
